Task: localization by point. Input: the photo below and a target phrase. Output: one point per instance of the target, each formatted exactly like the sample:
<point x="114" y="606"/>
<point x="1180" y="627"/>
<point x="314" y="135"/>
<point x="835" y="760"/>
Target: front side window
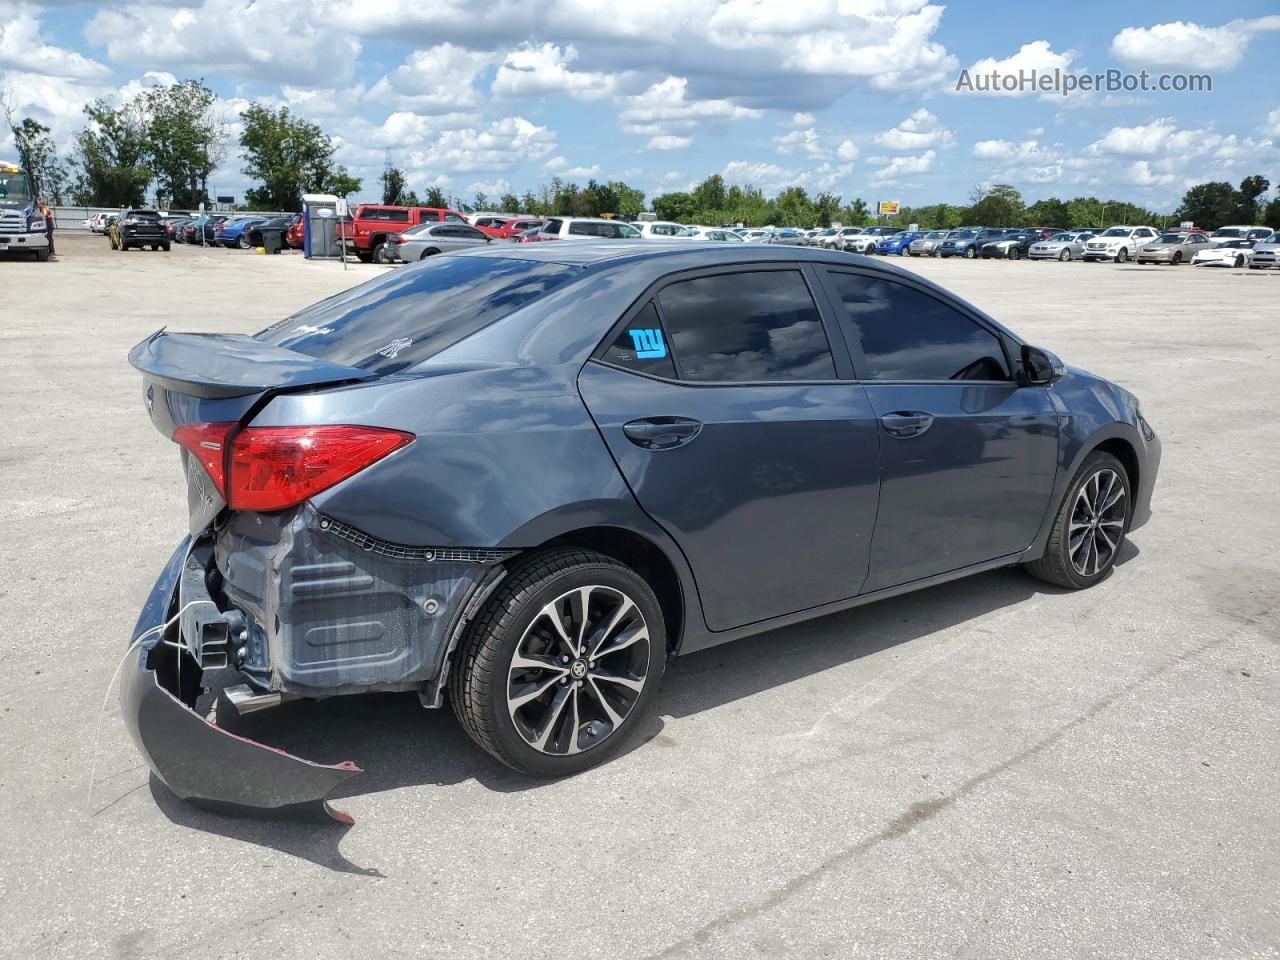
<point x="741" y="327"/>
<point x="907" y="334"/>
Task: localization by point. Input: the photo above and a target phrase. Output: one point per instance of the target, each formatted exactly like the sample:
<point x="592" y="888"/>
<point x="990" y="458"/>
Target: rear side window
<point x="908" y="335"/>
<point x="737" y="327"/>
<point x="642" y="346"/>
<point x="413" y="313"/>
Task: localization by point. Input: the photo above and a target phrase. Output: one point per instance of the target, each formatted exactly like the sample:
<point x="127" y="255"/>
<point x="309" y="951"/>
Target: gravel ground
<point x="990" y="768"/>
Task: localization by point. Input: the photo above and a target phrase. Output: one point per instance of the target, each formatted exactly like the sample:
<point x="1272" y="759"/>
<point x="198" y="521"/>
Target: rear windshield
<point x="414" y="312"/>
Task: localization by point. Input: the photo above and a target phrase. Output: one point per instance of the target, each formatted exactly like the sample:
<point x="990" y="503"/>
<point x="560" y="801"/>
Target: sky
<point x="856" y="97"/>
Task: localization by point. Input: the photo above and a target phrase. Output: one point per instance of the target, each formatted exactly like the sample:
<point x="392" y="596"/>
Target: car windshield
<point x="936" y="235"/>
<point x="964" y="234"/>
<point x="1169" y="238"/>
<point x="1235" y="243"/>
<point x="1116" y="232"/>
<point x="407" y="316"/>
<point x="1227" y="232"/>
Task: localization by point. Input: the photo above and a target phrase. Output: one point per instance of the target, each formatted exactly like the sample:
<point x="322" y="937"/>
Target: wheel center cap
<point x="578" y="670"/>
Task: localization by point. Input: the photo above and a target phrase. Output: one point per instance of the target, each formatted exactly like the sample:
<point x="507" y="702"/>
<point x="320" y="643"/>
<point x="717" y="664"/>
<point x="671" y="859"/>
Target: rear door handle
<point x="906" y="424"/>
<point x="661" y="433"/>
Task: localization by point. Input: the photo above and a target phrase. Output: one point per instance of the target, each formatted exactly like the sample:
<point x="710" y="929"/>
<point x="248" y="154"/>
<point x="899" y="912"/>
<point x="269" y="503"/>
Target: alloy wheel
<point x="1065" y="255"/>
<point x="578" y="670"/>
<point x="1097" y="523"/>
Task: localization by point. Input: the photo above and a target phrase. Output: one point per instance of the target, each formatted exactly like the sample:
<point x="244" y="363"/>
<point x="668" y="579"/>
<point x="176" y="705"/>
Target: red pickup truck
<point x="370" y="230"/>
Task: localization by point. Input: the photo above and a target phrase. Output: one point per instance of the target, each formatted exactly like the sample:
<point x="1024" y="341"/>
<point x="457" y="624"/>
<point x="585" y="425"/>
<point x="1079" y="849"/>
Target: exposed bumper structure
<point x="195" y="759"/>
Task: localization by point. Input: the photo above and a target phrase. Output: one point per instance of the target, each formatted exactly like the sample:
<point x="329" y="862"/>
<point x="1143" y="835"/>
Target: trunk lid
<point x="195" y="378"/>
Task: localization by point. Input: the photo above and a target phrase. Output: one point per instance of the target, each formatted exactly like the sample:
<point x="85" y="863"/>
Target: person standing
<point x="48" y="226"/>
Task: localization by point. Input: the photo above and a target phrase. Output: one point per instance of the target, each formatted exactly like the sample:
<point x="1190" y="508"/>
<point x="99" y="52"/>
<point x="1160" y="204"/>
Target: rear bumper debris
<point x="197" y="760"/>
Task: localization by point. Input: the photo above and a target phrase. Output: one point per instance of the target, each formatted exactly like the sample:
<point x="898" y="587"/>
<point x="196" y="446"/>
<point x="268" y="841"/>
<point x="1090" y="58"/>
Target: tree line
<point x="167" y="141"/>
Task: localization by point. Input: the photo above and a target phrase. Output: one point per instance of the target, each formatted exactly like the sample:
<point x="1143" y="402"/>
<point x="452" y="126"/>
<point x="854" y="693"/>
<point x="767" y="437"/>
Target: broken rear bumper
<point x="195" y="759"/>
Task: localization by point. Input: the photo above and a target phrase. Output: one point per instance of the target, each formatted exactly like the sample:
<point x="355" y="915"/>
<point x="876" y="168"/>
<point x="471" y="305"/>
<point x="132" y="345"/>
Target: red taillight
<point x="276" y="467"/>
<point x="207" y="443"/>
<point x="272" y="468"/>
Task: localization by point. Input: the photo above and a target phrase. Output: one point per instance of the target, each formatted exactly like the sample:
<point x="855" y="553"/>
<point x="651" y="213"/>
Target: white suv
<point x="658" y="229"/>
<point x="1223" y="234"/>
<point x="1118" y="243"/>
<point x="586" y="228"/>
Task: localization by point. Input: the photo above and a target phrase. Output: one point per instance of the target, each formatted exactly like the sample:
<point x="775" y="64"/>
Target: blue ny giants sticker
<point x="648" y="343"/>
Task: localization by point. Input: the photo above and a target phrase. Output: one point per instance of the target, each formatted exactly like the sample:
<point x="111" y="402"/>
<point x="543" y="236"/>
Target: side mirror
<point x="1040" y="367"/>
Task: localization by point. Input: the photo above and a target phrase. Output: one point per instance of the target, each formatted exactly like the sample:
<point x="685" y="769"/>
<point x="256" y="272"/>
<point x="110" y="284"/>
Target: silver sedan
<point x="1061" y="246"/>
<point x="418" y="243"/>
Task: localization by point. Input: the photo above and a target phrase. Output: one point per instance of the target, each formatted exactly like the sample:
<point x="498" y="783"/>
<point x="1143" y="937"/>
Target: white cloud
<point x="1145" y="140"/>
<point x="493" y="189"/>
<point x="438" y="80"/>
<point x="253" y="40"/>
<point x="1190" y="45"/>
<point x="498" y="148"/>
<point x="917" y="132"/>
<point x="805" y="142"/>
<point x="666" y="108"/>
<point x="668" y="142"/>
<point x="588" y="172"/>
<point x="1272" y="126"/>
<point x="848" y="150"/>
<point x="23" y="48"/>
<point x="1035" y="57"/>
<point x="537" y="71"/>
<point x="898" y="168"/>
<point x="802" y="120"/>
<point x="766" y="176"/>
<point x="1035" y="132"/>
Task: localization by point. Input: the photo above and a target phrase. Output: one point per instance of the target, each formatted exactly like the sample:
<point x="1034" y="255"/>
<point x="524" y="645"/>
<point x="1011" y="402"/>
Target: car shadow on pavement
<point x="399" y="744"/>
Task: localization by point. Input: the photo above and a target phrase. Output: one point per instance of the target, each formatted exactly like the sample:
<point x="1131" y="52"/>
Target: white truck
<point x="22" y="224"/>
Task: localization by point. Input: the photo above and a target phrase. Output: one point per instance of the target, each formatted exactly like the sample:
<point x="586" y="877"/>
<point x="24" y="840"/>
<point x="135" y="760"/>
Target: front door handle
<point x="906" y="424"/>
<point x="661" y="433"/>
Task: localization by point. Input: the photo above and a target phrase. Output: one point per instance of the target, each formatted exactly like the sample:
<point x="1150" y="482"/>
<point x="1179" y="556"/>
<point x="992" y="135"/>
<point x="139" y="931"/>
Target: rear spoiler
<point x="231" y="365"/>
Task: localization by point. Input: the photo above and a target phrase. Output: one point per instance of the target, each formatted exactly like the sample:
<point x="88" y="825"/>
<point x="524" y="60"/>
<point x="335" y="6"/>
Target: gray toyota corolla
<point x="521" y="479"/>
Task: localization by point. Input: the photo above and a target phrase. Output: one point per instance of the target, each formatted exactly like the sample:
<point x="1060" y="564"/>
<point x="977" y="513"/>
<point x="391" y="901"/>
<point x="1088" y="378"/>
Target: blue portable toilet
<point x="320" y="227"/>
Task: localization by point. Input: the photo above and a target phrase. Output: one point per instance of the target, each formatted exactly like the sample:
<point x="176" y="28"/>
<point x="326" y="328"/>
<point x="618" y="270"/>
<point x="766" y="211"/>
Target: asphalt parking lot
<point x="990" y="768"/>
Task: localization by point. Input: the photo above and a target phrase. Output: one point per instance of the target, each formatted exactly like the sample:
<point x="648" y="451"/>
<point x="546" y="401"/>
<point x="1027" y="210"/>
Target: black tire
<point x="970" y="253"/>
<point x="165" y="248"/>
<point x="1239" y="261"/>
<point x="242" y="241"/>
<point x="479" y="677"/>
<point x="1014" y="253"/>
<point x="1065" y="255"/>
<point x="1177" y="257"/>
<point x="42" y="256"/>
<point x="1122" y="255"/>
<point x="364" y="256"/>
<point x="1057" y="565"/>
<point x="382" y="253"/>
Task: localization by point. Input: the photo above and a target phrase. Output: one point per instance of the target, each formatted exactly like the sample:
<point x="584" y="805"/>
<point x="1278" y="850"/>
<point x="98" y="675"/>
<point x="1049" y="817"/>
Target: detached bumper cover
<point x="195" y="759"/>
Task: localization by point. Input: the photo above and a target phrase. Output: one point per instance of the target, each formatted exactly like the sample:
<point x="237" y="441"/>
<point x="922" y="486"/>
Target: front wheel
<point x="1239" y="261"/>
<point x="1090" y="527"/>
<point x="1014" y="253"/>
<point x="560" y="668"/>
<point x="970" y="253"/>
<point x="1122" y="256"/>
<point x="1065" y="255"/>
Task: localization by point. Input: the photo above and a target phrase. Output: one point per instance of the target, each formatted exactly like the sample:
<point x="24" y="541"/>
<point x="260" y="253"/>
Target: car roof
<point x="682" y="254"/>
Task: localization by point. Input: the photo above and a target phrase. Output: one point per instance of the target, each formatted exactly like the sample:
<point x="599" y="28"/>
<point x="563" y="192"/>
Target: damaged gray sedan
<point x="520" y="479"/>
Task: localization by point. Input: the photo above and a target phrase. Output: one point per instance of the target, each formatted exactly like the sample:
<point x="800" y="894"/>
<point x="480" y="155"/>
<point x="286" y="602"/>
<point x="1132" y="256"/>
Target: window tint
<point x="642" y="346"/>
<point x="908" y="335"/>
<point x="409" y="315"/>
<point x="452" y="218"/>
<point x="746" y="326"/>
<point x="666" y="230"/>
<point x="552" y="226"/>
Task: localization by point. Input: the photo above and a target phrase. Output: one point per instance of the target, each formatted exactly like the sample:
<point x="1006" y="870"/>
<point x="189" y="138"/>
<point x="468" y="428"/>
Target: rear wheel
<point x="1090" y="527"/>
<point x="429" y="252"/>
<point x="382" y="253"/>
<point x="560" y="668"/>
<point x="364" y="256"/>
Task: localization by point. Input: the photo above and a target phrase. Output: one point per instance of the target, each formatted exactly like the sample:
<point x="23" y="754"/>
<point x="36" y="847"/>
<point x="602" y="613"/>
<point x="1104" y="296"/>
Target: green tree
<point x="186" y="141"/>
<point x="111" y="156"/>
<point x="529" y="203"/>
<point x="1251" y="188"/>
<point x="1271" y="214"/>
<point x="678" y="207"/>
<point x="395" y="189"/>
<point x="1046" y="213"/>
<point x="510" y="203"/>
<point x="999" y="205"/>
<point x="1209" y="205"/>
<point x="826" y="207"/>
<point x="792" y="208"/>
<point x="290" y="156"/>
<point x="39" y="157"/>
<point x="481" y="202"/>
<point x="710" y="194"/>
<point x="435" y="198"/>
<point x="856" y="213"/>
